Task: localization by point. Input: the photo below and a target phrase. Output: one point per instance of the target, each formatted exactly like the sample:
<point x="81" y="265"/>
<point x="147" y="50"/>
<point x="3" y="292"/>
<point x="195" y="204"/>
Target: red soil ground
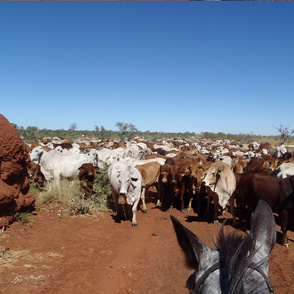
<point x="97" y="254"/>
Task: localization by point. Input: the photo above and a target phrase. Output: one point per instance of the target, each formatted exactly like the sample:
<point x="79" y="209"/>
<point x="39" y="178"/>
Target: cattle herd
<point x="184" y="174"/>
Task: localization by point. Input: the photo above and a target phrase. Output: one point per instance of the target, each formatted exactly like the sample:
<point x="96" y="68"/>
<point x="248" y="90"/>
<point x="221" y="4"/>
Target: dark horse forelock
<point x="240" y="265"/>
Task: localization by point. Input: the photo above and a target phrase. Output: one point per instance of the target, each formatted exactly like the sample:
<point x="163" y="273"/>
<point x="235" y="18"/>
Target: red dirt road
<point x="87" y="254"/>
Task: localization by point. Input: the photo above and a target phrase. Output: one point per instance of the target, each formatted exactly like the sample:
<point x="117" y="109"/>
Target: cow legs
<point x="284" y="223"/>
<point x="190" y="191"/>
<point x="208" y="202"/>
<point x="232" y="210"/>
<point x="56" y="177"/>
<point x="190" y="203"/>
<point x="115" y="198"/>
<point x="171" y="196"/>
<point x="159" y="194"/>
<point x="214" y="196"/>
<point x="134" y="210"/>
<point x="183" y="187"/>
<point x="144" y="207"/>
<point x="215" y="204"/>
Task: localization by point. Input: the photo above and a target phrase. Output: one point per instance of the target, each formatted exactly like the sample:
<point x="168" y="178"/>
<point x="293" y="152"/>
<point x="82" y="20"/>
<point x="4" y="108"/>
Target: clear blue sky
<point x="162" y="66"/>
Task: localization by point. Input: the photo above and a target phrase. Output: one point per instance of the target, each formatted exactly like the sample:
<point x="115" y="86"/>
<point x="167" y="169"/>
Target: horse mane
<point x="237" y="256"/>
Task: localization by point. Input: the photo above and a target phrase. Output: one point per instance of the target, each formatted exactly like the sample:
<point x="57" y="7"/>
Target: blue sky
<point x="162" y="66"/>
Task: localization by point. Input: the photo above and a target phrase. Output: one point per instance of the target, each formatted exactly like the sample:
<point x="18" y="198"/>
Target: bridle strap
<point x="268" y="283"/>
<point x="218" y="266"/>
<point x="205" y="275"/>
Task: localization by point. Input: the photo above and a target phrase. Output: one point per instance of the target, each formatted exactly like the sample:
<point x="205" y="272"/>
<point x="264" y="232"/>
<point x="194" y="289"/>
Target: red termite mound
<point x="15" y="195"/>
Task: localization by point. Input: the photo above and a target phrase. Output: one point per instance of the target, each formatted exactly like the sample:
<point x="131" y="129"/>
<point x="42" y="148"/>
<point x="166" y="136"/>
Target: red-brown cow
<point x="197" y="170"/>
<point x="257" y="165"/>
<point x="239" y="164"/>
<point x="177" y="182"/>
<point x="87" y="178"/>
<point x="278" y="193"/>
<point x="163" y="183"/>
<point x="35" y="174"/>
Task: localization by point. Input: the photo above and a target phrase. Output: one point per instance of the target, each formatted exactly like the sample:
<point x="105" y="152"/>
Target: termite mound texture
<point x="15" y="195"/>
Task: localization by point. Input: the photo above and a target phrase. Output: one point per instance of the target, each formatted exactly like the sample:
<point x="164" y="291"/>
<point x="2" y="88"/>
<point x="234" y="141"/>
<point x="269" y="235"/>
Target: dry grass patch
<point x="10" y="258"/>
<point x="68" y="199"/>
<point x="18" y="266"/>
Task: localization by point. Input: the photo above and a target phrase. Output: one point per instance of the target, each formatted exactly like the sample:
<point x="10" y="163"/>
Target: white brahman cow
<point x="55" y="164"/>
<point x="285" y="170"/>
<point x="220" y="183"/>
<point x="126" y="184"/>
<point x="107" y="156"/>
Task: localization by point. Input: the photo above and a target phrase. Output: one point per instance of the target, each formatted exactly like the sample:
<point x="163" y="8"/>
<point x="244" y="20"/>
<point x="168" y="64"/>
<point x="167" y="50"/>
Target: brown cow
<point x="275" y="163"/>
<point x="185" y="183"/>
<point x="239" y="164"/>
<point x="254" y="165"/>
<point x="197" y="170"/>
<point x="258" y="165"/>
<point x="87" y="178"/>
<point x="174" y="181"/>
<point x="150" y="174"/>
<point x="35" y="174"/>
<point x="170" y="186"/>
<point x="278" y="193"/>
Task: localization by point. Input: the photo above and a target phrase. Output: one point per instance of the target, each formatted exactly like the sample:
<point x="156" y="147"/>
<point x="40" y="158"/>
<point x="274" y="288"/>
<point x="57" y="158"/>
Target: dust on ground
<point x="100" y="254"/>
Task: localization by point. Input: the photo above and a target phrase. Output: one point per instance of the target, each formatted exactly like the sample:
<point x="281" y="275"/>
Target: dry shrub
<point x="68" y="198"/>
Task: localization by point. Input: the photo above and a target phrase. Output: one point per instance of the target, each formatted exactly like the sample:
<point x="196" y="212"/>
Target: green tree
<point x="126" y="131"/>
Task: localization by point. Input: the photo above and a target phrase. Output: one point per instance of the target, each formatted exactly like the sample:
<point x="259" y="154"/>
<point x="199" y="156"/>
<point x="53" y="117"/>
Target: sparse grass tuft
<point x="70" y="198"/>
<point x="24" y="217"/>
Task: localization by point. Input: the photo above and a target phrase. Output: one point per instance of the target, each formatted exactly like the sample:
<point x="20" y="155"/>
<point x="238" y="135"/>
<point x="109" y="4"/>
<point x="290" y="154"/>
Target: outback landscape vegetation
<point x="72" y="244"/>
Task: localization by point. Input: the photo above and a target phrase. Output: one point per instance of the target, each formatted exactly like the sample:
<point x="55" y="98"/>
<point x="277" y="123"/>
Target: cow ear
<point x="193" y="247"/>
<point x="263" y="229"/>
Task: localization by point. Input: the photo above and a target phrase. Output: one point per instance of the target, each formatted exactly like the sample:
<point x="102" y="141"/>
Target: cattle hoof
<point x="183" y="210"/>
<point x="287" y="245"/>
<point x="144" y="210"/>
<point x="134" y="225"/>
<point x="215" y="222"/>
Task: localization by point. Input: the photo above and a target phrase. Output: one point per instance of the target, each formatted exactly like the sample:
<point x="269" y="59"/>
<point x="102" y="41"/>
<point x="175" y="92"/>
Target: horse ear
<point x="263" y="228"/>
<point x="192" y="246"/>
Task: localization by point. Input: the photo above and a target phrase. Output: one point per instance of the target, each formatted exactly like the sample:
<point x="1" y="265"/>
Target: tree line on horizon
<point x="126" y="131"/>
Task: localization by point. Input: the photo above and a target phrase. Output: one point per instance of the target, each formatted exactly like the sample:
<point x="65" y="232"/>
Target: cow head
<point x="126" y="179"/>
<point x="164" y="173"/>
<point x="212" y="176"/>
<point x="36" y="154"/>
<point x="174" y="174"/>
<point x="184" y="169"/>
<point x="113" y="158"/>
